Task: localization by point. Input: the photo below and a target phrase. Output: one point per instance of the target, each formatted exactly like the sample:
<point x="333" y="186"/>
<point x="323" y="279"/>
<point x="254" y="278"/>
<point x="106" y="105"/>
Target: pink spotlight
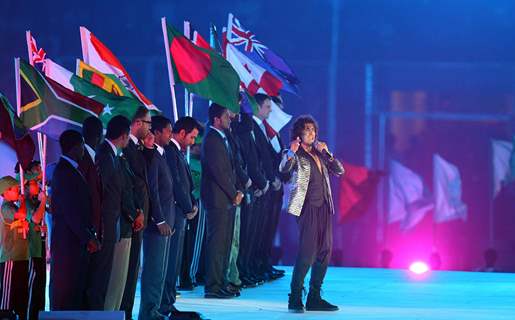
<point x="419" y="267"/>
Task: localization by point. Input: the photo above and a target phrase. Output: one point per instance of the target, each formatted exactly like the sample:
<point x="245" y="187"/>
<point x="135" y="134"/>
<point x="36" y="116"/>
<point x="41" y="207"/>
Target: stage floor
<point x="373" y="294"/>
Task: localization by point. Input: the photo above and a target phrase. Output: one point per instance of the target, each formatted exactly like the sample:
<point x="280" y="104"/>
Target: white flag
<point x="278" y="118"/>
<point x="447" y="191"/>
<point x="407" y="202"/>
<point x="501" y="152"/>
<point x="9" y="160"/>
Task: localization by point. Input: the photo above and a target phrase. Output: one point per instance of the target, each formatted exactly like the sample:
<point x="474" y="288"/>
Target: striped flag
<point x="97" y="54"/>
<point x="50" y="108"/>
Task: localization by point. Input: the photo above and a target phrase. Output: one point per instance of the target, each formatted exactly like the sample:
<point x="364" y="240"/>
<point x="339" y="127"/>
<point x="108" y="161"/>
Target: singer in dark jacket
<point x="310" y="162"/>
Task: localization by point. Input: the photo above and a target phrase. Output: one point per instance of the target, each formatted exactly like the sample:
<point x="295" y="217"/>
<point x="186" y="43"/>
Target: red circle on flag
<point x="193" y="65"/>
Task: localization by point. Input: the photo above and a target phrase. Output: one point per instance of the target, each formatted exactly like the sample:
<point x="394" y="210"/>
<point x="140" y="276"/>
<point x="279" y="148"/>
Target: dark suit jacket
<point x="218" y="182"/>
<point x="162" y="202"/>
<point x="111" y="174"/>
<point x="128" y="199"/>
<point x="265" y="154"/>
<point x="182" y="181"/>
<point x="138" y="166"/>
<point x="239" y="165"/>
<point x="249" y="151"/>
<point x="71" y="208"/>
<point x="71" y="231"/>
<point x="91" y="173"/>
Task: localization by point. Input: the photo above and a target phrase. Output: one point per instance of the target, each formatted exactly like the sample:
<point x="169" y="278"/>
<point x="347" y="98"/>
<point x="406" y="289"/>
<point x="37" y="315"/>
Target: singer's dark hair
<point x="299" y="125"/>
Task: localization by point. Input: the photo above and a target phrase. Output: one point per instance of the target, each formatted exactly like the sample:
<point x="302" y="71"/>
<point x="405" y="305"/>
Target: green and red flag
<point x="48" y="107"/>
<point x="14" y="134"/>
<point x="202" y="71"/>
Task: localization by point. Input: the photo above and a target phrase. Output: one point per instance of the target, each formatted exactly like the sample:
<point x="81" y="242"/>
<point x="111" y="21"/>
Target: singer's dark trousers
<point x="315" y="246"/>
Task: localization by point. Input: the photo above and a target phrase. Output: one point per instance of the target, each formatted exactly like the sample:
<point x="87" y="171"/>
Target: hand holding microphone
<point x="322" y="148"/>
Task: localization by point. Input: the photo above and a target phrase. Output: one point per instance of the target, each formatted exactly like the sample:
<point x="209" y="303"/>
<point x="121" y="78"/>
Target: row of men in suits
<point x="241" y="192"/>
<point x="114" y="199"/>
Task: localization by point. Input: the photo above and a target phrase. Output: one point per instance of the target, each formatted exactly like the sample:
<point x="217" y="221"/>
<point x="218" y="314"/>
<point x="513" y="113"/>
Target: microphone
<point x="326" y="153"/>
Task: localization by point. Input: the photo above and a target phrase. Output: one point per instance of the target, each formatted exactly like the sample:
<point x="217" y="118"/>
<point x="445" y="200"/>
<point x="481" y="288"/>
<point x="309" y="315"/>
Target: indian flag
<point x="98" y="55"/>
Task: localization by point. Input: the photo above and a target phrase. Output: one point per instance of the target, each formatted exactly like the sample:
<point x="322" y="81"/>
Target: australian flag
<point x="246" y="42"/>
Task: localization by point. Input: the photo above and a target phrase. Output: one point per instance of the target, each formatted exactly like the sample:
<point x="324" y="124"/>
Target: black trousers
<point x="275" y="203"/>
<point x="129" y="293"/>
<point x="260" y="218"/>
<point x="68" y="277"/>
<point x="37" y="284"/>
<point x="315" y="247"/>
<point x="247" y="236"/>
<point x="101" y="266"/>
<point x="15" y="289"/>
<point x="220" y="228"/>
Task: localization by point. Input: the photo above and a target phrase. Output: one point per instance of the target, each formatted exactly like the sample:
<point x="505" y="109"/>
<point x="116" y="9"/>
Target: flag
<point x="218" y="46"/>
<point x="98" y="55"/>
<point x="113" y="104"/>
<point x="50" y="108"/>
<point x="9" y="159"/>
<point x="253" y="77"/>
<point x="202" y="71"/>
<point x="36" y="55"/>
<point x="199" y="41"/>
<point x="501" y="155"/>
<point x="277" y="119"/>
<point x="447" y="191"/>
<point x="358" y="186"/>
<point x="407" y="203"/>
<point x="248" y="103"/>
<point x="14" y="134"/>
<point x="108" y="83"/>
<point x="247" y="43"/>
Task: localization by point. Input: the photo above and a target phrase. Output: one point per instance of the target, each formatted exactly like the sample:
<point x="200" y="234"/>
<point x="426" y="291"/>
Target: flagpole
<point x="18" y="111"/>
<point x="229" y="28"/>
<point x="41" y="137"/>
<point x="83" y="44"/>
<point x="187" y="33"/>
<point x="190" y="111"/>
<point x="28" y="37"/>
<point x="170" y="71"/>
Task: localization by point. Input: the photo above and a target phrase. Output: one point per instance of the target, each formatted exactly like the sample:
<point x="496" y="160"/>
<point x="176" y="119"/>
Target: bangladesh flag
<point x="14" y="134"/>
<point x="49" y="107"/>
<point x="113" y="104"/>
<point x="202" y="71"/>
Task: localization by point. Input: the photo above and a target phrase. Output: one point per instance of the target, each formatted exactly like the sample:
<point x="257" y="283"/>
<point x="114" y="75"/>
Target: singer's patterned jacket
<point x="299" y="166"/>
